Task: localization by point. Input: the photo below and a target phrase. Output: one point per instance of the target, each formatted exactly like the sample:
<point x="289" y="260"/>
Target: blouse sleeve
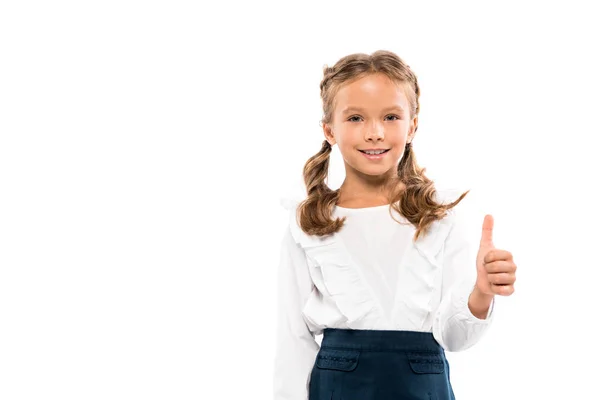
<point x="296" y="348"/>
<point x="454" y="326"/>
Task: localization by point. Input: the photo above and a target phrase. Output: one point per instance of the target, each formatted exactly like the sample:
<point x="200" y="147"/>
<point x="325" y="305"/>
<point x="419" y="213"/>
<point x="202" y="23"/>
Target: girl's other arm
<point x="296" y="348"/>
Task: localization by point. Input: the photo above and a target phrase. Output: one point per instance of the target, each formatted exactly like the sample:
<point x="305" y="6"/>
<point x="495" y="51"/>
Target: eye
<point x="395" y="116"/>
<point x="353" y="120"/>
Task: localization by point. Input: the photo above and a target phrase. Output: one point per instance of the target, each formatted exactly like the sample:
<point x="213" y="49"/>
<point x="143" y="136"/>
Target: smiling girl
<point x="382" y="267"/>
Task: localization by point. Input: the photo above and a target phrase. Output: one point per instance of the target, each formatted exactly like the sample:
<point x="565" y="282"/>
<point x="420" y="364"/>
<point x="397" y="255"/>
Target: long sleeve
<point x="296" y="348"/>
<point x="454" y="326"/>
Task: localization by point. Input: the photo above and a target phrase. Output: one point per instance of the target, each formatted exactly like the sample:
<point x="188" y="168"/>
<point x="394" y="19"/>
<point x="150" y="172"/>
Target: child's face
<point x="371" y="113"/>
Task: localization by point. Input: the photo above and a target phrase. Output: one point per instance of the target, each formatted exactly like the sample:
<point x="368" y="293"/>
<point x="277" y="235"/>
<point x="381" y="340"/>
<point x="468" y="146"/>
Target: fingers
<point x="497" y="254"/>
<point x="503" y="278"/>
<point x="503" y="290"/>
<point x="500" y="266"/>
<point x="501" y="271"/>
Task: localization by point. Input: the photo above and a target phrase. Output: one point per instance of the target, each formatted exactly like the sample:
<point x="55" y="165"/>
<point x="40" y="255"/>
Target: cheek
<point x="348" y="137"/>
<point x="346" y="148"/>
<point x="398" y="132"/>
<point x="398" y="139"/>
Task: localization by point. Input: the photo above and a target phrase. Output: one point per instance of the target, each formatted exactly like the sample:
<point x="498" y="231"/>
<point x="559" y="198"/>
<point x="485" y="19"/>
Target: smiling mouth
<point x="371" y="153"/>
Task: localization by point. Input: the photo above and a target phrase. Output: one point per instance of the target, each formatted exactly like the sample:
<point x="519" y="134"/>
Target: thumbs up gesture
<point x="495" y="268"/>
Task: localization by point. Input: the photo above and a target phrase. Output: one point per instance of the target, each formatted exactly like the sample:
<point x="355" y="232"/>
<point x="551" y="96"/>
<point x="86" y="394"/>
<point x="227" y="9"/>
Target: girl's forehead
<point x="373" y="92"/>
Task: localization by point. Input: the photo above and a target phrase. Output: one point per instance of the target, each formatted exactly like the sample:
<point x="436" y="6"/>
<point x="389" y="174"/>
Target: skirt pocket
<point x="426" y="362"/>
<point x="329" y="374"/>
<point x="341" y="360"/>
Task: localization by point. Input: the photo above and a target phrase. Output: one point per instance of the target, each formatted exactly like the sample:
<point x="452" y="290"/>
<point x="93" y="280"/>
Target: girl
<point x="381" y="267"/>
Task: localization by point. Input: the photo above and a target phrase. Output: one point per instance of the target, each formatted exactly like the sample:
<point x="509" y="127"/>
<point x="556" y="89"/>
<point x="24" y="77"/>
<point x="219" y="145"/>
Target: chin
<point x="377" y="171"/>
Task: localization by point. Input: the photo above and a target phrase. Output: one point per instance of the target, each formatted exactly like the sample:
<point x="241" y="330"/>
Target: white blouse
<point x="370" y="275"/>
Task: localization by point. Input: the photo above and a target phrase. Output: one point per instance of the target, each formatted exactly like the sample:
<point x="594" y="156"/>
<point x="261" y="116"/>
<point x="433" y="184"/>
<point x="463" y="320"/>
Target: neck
<point x="366" y="189"/>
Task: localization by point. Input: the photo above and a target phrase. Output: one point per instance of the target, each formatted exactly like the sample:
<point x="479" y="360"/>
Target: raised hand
<point x="495" y="267"/>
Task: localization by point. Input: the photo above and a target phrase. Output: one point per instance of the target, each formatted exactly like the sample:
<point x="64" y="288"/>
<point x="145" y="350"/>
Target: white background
<point x="145" y="146"/>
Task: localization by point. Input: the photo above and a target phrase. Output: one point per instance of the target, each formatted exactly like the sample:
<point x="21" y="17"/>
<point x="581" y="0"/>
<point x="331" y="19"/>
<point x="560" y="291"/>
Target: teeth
<point x="374" y="152"/>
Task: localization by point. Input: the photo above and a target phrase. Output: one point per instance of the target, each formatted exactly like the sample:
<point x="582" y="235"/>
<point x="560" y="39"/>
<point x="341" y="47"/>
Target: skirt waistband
<point x="384" y="340"/>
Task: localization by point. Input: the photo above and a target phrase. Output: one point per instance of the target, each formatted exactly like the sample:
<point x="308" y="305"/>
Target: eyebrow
<point x="353" y="108"/>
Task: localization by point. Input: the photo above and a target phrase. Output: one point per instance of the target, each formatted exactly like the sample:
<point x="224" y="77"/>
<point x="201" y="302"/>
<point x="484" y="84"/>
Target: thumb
<point x="486" y="231"/>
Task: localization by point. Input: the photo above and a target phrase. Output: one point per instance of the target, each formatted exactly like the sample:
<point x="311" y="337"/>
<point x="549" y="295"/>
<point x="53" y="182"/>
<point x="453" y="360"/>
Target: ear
<point x="328" y="134"/>
<point x="412" y="130"/>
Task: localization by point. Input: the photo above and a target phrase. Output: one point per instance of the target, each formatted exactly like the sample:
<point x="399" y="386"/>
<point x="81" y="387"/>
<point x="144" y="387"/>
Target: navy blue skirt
<point x="380" y="365"/>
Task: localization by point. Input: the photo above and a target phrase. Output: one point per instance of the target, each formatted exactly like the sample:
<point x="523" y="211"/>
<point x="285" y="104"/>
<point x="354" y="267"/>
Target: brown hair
<point x="413" y="195"/>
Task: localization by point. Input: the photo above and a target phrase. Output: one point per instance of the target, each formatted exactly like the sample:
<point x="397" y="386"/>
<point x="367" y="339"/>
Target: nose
<point x="374" y="133"/>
